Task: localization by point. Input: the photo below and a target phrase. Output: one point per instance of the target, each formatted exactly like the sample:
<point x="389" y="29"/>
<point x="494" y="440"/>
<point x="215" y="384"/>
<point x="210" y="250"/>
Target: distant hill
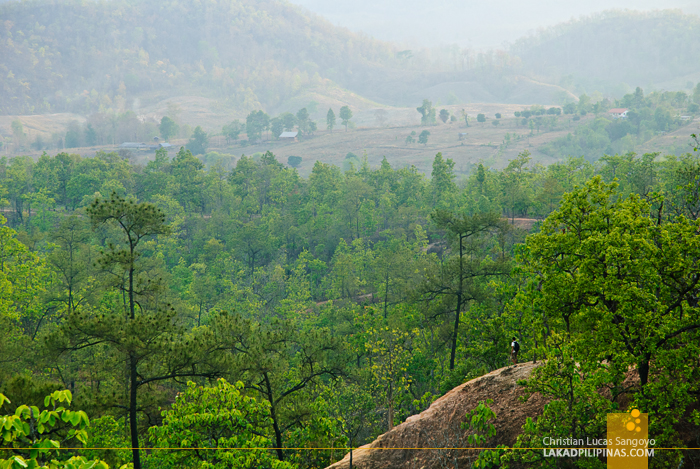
<point x="478" y="24"/>
<point x="603" y="51"/>
<point x="80" y="56"/>
<point x="84" y="57"/>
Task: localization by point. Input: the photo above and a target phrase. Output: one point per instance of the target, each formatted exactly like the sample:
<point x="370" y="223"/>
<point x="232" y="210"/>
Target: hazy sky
<point x="473" y="23"/>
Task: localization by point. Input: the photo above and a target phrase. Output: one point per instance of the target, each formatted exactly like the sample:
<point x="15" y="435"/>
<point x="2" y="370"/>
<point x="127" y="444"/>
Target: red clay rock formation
<point x="438" y="426"/>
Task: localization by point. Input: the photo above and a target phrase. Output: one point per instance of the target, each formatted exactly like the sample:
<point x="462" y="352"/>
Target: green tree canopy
<point x="345" y="116"/>
<point x="34" y="435"/>
<point x="199" y="142"/>
<point x="256" y="123"/>
<point x="232" y="130"/>
<point x="423" y="137"/>
<point x="427" y="112"/>
<point x="204" y="424"/>
<point x="168" y="128"/>
<point x="330" y="119"/>
<point x="615" y="279"/>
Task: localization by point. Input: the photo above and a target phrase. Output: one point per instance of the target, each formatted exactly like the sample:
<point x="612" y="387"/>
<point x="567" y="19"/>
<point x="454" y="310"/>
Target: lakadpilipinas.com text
<point x="595" y="448"/>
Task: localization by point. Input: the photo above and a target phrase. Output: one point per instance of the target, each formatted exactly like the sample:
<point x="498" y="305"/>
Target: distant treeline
<point x="87" y="57"/>
<point x="613" y="50"/>
<point x="647" y="116"/>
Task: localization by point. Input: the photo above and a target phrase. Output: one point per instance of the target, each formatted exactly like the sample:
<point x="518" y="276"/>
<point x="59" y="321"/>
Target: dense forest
<point x="650" y="48"/>
<point x="184" y="310"/>
<point x="203" y="310"/>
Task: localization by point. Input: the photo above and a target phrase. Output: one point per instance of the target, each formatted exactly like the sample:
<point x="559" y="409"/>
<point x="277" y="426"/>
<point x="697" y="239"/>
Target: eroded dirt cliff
<point x="438" y="426"/>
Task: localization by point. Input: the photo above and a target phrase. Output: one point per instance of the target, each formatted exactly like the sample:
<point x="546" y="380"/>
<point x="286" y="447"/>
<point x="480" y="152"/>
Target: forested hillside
<point x="91" y="57"/>
<point x="603" y="51"/>
<point x="648" y="116"/>
<point x="311" y="315"/>
<point x="87" y="56"/>
<point x="201" y="309"/>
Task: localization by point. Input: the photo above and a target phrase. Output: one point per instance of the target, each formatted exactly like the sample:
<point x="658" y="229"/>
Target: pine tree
<point x="330" y="120"/>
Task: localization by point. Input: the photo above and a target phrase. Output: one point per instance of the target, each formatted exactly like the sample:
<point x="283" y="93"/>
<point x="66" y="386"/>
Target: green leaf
<point x="82" y="436"/>
<point x="19" y="460"/>
<point x="22" y="411"/>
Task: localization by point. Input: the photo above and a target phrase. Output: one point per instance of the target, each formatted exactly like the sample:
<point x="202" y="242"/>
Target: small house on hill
<point x="618" y="113"/>
<point x="288" y="136"/>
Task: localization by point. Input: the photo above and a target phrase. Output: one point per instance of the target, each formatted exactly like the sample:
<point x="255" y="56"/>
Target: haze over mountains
<point x="87" y="57"/>
<point x="469" y="23"/>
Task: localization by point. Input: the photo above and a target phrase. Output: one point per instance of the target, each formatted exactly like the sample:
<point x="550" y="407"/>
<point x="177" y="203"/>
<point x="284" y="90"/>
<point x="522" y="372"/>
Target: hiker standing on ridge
<point x="514" y="349"/>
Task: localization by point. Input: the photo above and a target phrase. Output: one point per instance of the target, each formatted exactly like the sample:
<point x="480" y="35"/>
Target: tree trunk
<point x="133" y="384"/>
<point x="455" y="331"/>
<point x="275" y="423"/>
<point x="458" y="309"/>
<point x="278" y="435"/>
<point x="132" y="412"/>
<point x="643" y="371"/>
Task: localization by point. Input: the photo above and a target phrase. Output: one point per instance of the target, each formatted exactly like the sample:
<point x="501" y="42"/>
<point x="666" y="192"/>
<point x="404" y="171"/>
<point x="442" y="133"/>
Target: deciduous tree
<point x="168" y="128"/>
<point x="33" y="438"/>
<point x="281" y="363"/>
<point x="345" y="116"/>
<point x="462" y="277"/>
<point x="615" y="279"/>
<point x="256" y="123"/>
<point x="423" y="137"/>
<point x="199" y="142"/>
<point x="427" y="112"/>
<point x="206" y="423"/>
<point x="232" y="130"/>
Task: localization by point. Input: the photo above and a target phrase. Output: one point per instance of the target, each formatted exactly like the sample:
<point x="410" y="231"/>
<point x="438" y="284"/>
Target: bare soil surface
<point x="417" y="441"/>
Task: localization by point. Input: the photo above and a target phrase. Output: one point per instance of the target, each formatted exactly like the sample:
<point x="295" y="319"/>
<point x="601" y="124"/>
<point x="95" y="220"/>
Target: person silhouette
<point x="514" y="349"/>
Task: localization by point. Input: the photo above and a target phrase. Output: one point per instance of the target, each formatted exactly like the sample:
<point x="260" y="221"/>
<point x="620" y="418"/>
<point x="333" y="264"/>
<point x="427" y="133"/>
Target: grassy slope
<point x="482" y="142"/>
<point x="39" y="124"/>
